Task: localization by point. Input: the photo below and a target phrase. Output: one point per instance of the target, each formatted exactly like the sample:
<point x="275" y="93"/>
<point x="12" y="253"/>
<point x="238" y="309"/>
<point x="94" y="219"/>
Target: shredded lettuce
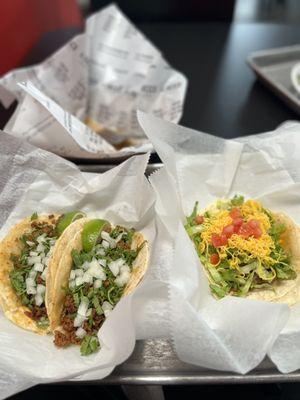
<point x="34" y="216"/>
<point x="89" y="345"/>
<point x="237" y="200"/>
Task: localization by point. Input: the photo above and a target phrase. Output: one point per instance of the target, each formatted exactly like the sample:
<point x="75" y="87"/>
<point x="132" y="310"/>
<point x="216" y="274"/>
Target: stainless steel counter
<point x="154" y="362"/>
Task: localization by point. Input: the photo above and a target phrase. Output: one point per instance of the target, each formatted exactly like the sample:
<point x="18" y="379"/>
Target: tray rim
<point x="285" y="95"/>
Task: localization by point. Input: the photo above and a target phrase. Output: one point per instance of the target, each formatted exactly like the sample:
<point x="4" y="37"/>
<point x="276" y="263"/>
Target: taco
<point x="25" y="254"/>
<point x="247" y="250"/>
<point x="101" y="264"/>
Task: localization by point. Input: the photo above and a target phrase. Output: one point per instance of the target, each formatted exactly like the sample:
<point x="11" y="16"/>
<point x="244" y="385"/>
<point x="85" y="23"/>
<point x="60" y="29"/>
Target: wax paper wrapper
<point x="104" y="74"/>
<point x="32" y="180"/>
<point x="233" y="333"/>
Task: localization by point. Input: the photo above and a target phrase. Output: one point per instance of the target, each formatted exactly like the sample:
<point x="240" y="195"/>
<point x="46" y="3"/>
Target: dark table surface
<point x="224" y="98"/>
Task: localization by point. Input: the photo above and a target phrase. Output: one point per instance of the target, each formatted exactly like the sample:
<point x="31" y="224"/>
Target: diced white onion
<point x="33" y="260"/>
<point x="110" y="240"/>
<point x="33" y="253"/>
<point x="30" y="243"/>
<point x="38" y="299"/>
<point x="107" y="308"/>
<point x="44" y="274"/>
<point x="30" y="282"/>
<point x="72" y="274"/>
<point x="30" y="290"/>
<point x="114" y="266"/>
<point x="87" y="278"/>
<point x="52" y="242"/>
<point x="46" y="260"/>
<point x="32" y="274"/>
<point x="119" y="237"/>
<point x="40" y="248"/>
<point x="38" y="267"/>
<point x="79" y="280"/>
<point x="40" y="289"/>
<point x="122" y="279"/>
<point x="97" y="283"/>
<point x="105" y="244"/>
<point x="102" y="262"/>
<point x="96" y="271"/>
<point x="125" y="269"/>
<point x="80" y="333"/>
<point x="100" y="252"/>
<point x="89" y="312"/>
<point x="83" y="306"/>
<point x="79" y="320"/>
<point x="85" y="265"/>
<point x="72" y="284"/>
<point x="41" y="238"/>
<point x="78" y="272"/>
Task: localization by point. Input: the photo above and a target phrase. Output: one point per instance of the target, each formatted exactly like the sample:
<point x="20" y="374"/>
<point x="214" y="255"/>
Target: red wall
<point x="23" y="22"/>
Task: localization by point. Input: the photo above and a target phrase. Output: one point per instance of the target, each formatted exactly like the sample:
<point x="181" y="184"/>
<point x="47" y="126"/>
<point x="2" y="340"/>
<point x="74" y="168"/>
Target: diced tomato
<point x="253" y="223"/>
<point x="224" y="240"/>
<point x="244" y="230"/>
<point x="216" y="240"/>
<point x="237" y="222"/>
<point x="214" y="258"/>
<point x="228" y="231"/>
<point x="199" y="219"/>
<point x="236" y="229"/>
<point x="257" y="233"/>
<point x="251" y="228"/>
<point x="235" y="213"/>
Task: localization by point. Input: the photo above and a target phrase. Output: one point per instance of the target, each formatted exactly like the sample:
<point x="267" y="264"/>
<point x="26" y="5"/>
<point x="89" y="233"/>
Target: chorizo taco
<point x="247" y="250"/>
<point x="100" y="264"/>
<point x="25" y="255"/>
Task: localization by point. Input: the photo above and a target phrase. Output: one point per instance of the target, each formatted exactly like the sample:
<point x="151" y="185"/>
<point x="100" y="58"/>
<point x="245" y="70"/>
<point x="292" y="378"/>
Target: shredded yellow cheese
<point x="215" y="225"/>
<point x="250" y="248"/>
<point x="252" y="209"/>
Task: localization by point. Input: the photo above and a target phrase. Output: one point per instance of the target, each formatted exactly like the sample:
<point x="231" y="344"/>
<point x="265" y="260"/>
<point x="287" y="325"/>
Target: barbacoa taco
<point x="247" y="250"/>
<point x="101" y="264"/>
<point x="25" y="255"/>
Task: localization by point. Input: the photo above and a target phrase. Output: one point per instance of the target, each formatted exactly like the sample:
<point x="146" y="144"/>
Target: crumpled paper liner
<point x="232" y="334"/>
<point x="101" y="76"/>
<point x="33" y="180"/>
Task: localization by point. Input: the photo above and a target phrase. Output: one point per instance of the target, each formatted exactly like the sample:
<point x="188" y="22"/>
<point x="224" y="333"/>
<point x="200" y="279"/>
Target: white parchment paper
<point x="106" y="74"/>
<point x="233" y="333"/>
<point x="34" y="180"/>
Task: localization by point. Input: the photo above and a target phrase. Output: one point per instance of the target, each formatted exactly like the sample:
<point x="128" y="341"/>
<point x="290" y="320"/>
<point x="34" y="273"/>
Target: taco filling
<point x="29" y="271"/>
<point x="97" y="280"/>
<point x="240" y="244"/>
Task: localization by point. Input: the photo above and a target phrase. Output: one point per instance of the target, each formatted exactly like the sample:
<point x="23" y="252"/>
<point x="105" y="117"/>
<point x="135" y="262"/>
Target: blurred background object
<point x="25" y="23"/>
<point x="208" y="40"/>
<point x="284" y="11"/>
<point x="172" y="10"/>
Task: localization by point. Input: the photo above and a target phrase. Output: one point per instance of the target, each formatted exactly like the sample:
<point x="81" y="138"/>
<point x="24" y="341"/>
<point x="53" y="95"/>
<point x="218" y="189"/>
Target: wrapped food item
<point x="100" y="264"/>
<point x="26" y="254"/>
<point x="81" y="102"/>
<point x="247" y="250"/>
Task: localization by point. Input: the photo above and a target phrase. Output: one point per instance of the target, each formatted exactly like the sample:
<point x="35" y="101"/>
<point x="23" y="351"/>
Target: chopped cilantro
<point x="34" y="216"/>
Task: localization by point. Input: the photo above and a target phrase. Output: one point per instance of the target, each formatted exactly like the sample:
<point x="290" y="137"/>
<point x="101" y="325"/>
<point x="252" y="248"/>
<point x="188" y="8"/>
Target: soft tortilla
<point x="65" y="265"/>
<point x="284" y="291"/>
<point x="57" y="260"/>
<point x="10" y="303"/>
